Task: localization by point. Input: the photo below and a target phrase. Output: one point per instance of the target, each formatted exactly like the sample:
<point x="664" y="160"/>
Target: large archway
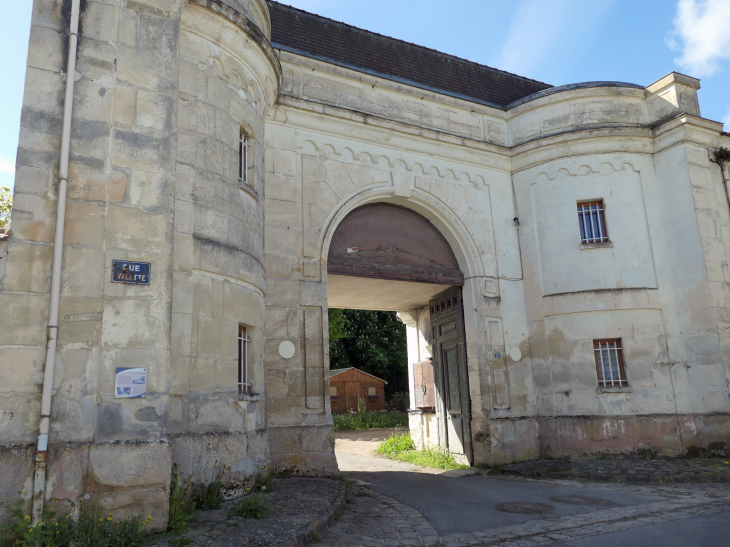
<point x="384" y="256"/>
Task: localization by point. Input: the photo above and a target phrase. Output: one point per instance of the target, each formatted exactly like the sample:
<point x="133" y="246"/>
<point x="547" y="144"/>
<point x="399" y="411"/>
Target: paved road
<point x="400" y="504"/>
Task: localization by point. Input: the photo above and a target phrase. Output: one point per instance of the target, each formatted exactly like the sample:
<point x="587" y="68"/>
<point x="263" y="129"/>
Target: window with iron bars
<point x="243" y="158"/>
<point x="592" y="221"/>
<point x="244" y="385"/>
<point x="610" y="363"/>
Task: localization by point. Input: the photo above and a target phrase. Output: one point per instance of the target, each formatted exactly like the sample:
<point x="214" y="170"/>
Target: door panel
<point x="450" y="371"/>
<point x="351" y="395"/>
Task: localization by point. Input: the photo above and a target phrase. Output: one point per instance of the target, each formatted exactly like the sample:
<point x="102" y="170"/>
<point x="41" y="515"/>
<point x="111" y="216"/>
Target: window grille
<point x="243" y="158"/>
<point x="592" y="221"/>
<point x="372" y="392"/>
<point x="244" y="386"/>
<point x="610" y="363"/>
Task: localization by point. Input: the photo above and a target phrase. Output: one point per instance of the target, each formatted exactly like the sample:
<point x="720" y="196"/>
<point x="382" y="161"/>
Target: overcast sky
<point x="554" y="41"/>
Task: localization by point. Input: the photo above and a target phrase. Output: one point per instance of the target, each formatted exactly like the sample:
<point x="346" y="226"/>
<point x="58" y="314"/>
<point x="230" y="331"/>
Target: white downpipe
<point x="39" y="483"/>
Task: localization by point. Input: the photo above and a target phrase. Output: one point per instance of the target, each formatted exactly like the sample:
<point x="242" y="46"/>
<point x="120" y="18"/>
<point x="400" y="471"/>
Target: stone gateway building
<point x="229" y="169"/>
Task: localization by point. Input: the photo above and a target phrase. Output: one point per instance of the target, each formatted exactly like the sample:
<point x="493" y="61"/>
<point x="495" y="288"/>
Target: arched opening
<point x="387" y="257"/>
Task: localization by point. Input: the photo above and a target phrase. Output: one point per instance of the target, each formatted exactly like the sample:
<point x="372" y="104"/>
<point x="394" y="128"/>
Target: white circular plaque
<point x="515" y="353"/>
<point x="287" y="349"/>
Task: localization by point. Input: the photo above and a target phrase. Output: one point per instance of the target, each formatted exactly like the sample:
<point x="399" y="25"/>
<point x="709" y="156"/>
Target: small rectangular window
<point x="243" y="158"/>
<point x="333" y="392"/>
<point x="244" y="386"/>
<point x="610" y="363"/>
<point x="592" y="221"/>
<point x="372" y="393"/>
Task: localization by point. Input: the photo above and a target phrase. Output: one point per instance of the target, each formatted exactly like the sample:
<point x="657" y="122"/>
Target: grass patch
<point x="401" y="448"/>
<point x="182" y="503"/>
<point x="369" y="420"/>
<point x="92" y="528"/>
<point x="208" y="496"/>
<point x="252" y="507"/>
<point x="180" y="542"/>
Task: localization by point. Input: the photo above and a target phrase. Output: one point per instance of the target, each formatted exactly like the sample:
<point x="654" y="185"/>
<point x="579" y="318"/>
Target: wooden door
<point x="352" y="390"/>
<point x="450" y="371"/>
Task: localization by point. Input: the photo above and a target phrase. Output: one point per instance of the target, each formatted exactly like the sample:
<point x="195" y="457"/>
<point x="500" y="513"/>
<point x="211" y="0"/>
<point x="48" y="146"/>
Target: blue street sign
<point x="135" y="273"/>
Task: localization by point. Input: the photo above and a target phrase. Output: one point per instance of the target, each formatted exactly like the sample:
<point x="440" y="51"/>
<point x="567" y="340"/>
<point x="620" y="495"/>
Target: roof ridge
<point x="405" y="42"/>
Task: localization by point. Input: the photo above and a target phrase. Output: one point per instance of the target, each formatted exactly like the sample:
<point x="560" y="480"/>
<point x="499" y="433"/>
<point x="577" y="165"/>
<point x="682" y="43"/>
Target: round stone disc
<point x="524" y="508"/>
<point x="286" y="349"/>
<point x="578" y="500"/>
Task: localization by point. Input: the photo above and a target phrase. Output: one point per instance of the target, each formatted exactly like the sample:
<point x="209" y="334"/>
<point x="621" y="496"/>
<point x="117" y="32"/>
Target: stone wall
<point x="134" y="194"/>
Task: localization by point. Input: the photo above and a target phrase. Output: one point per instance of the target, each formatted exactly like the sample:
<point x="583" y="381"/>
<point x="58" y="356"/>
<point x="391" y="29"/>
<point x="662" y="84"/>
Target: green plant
<point x="264" y="483"/>
<point x="316" y="538"/>
<point x="362" y="408"/>
<point x="362" y="494"/>
<point x="182" y="503"/>
<point x="251" y="507"/>
<point x="6" y="206"/>
<point x="92" y="528"/>
<point x="722" y="156"/>
<point x="285" y="474"/>
<point x="396" y="444"/>
<point x="179" y="542"/>
<point x="401" y="447"/>
<point x="208" y="496"/>
<point x="369" y="420"/>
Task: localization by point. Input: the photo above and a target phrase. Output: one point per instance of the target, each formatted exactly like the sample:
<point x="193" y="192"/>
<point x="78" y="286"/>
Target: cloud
<point x="702" y="34"/>
<point x="726" y="120"/>
<point x="7" y="166"/>
<point x="539" y="29"/>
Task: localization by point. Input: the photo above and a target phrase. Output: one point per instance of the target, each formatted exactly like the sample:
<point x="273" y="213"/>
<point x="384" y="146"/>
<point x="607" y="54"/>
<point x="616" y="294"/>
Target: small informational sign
<point x="130" y="383"/>
<point x="135" y="273"/>
<point x="497" y="355"/>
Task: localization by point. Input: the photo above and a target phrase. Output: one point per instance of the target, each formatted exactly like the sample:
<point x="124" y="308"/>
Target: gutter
<point x="39" y="482"/>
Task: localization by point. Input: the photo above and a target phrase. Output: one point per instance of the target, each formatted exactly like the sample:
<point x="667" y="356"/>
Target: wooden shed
<point x="347" y="385"/>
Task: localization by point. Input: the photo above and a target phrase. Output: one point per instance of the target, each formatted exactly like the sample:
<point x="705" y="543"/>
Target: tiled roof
<point x="314" y="36"/>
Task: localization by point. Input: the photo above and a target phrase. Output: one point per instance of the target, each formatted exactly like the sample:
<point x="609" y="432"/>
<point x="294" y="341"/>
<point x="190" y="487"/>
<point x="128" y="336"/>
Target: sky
<point x="554" y="41"/>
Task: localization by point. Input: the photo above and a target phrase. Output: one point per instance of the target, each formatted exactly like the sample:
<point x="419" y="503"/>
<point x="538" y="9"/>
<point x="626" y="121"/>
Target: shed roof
<point x="311" y="35"/>
<point x="341" y="370"/>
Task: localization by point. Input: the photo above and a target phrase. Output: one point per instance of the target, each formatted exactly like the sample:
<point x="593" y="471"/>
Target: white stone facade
<point x="164" y="89"/>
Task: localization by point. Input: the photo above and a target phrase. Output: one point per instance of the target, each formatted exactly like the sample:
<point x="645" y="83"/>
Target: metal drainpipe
<point x="39" y="483"/>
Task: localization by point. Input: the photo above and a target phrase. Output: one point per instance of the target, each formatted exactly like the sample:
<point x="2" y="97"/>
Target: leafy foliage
<point x="92" y="529"/>
<point x="373" y="341"/>
<point x="401" y="447"/>
<point x="252" y="507"/>
<point x="6" y="205"/>
<point x="722" y="156"/>
<point x="369" y="420"/>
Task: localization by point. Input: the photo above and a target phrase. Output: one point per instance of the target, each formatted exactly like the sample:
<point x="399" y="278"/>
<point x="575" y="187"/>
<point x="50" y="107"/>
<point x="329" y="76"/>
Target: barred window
<point x="244" y="386"/>
<point x="592" y="221"/>
<point x="610" y="363"/>
<point x="243" y="158"/>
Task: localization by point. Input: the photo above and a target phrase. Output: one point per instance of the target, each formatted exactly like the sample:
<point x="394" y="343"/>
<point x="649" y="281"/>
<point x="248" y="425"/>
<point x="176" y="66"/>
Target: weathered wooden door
<point x="450" y="371"/>
<point x="351" y="395"/>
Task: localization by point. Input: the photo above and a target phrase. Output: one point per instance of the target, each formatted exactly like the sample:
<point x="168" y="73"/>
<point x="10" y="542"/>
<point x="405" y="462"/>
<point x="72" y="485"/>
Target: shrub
<point x="369" y="420"/>
<point x="92" y="528"/>
<point x="251" y="507"/>
<point x="401" y="447"/>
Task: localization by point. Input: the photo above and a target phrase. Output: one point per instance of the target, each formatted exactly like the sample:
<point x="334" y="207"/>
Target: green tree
<point x="6" y="205"/>
<point x="374" y="342"/>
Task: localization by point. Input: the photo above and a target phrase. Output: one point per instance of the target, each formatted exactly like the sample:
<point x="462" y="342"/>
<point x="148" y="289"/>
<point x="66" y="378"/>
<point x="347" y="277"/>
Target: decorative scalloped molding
<point x="381" y="161"/>
<point x="604" y="167"/>
<point x="247" y="86"/>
